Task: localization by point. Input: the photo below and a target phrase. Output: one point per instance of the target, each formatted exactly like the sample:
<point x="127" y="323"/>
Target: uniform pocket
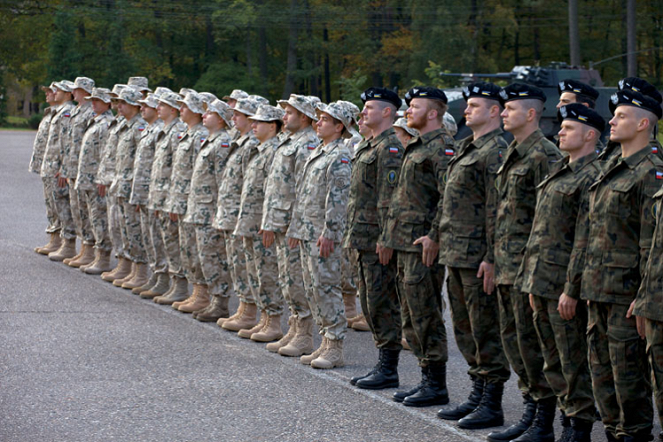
<point x="627" y="352"/>
<point x="620" y="272"/>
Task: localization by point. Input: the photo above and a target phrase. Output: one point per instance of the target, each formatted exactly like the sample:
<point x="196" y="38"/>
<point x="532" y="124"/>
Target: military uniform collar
<point x="427" y="137"/>
<point x="580" y="163"/>
<point x="306" y="132"/>
<point x="331" y="146"/>
<point x="105" y="114"/>
<point x="385" y="134"/>
<point x="530" y="141"/>
<point x="213" y="136"/>
<point x="635" y="159"/>
<point x="170" y="125"/>
<point x="194" y="129"/>
<point x="134" y="119"/>
<point x="272" y="142"/>
<point x="485" y="138"/>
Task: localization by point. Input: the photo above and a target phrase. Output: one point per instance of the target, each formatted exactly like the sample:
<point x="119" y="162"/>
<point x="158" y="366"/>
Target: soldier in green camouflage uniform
<point x="467" y="231"/>
<point x="620" y="235"/>
<point x="557" y="243"/>
<point x="291" y="154"/>
<point x="526" y="163"/>
<point x="317" y="226"/>
<point x="375" y="171"/>
<point x="412" y="230"/>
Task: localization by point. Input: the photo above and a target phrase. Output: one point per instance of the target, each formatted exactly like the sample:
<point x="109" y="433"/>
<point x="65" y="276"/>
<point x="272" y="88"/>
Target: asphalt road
<point x="81" y="360"/>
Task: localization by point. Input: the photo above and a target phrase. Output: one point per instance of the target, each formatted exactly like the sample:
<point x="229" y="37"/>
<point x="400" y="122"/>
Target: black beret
<point x="582" y="114"/>
<point x="381" y="94"/>
<point x="431" y="93"/>
<point x="627" y="97"/>
<point x="521" y="91"/>
<point x="640" y="85"/>
<point x="578" y="88"/>
<point x="482" y="90"/>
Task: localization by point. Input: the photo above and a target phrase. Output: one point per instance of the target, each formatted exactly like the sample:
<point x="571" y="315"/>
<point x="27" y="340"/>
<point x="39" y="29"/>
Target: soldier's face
<point x="98" y="106"/>
<point x="212" y="121"/>
<point x="232" y="102"/>
<point x="477" y="112"/>
<point x="121" y="108"/>
<point x="327" y="127"/>
<point x="60" y="96"/>
<point x="148" y="113"/>
<point x="363" y="129"/>
<point x="566" y="98"/>
<point x="514" y="115"/>
<point x="80" y="94"/>
<point x="372" y="114"/>
<point x="624" y="124"/>
<point x="292" y="119"/>
<point x="571" y="136"/>
<point x="402" y="136"/>
<point x="417" y="114"/>
<point x="50" y="96"/>
<point x="263" y="130"/>
<point x="242" y="122"/>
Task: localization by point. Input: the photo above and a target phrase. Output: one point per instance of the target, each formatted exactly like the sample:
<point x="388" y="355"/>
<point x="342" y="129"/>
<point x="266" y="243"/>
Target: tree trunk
<point x="262" y="59"/>
<point x="631" y="56"/>
<point x="291" y="64"/>
<point x="574" y="37"/>
<point x="325" y="39"/>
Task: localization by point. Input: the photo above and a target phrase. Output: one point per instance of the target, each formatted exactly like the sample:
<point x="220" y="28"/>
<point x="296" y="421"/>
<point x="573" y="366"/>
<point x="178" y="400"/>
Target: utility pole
<point x="631" y="57"/>
<point x="574" y="38"/>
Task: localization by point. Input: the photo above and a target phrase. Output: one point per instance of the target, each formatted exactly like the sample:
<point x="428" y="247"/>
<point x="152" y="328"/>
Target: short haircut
<point x="441" y="108"/>
<point x="532" y="103"/>
<point x="643" y="113"/>
<point x="394" y="112"/>
<point x="584" y="99"/>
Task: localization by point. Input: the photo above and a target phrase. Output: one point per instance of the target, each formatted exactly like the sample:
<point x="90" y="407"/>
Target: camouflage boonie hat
<point x="170" y="99"/>
<point x="185" y="90"/>
<point x="402" y="123"/>
<point x="161" y="90"/>
<point x="259" y="99"/>
<point x="301" y="103"/>
<point x="51" y="87"/>
<point x="87" y="84"/>
<point x="352" y="108"/>
<point x="222" y="109"/>
<point x="100" y="93"/>
<point x="194" y="102"/>
<point x="64" y="85"/>
<point x="150" y="101"/>
<point x="314" y="100"/>
<point x="268" y="113"/>
<point x="139" y="83"/>
<point x="247" y="106"/>
<point x="208" y="97"/>
<point x="236" y="95"/>
<point x="129" y="95"/>
<point x="450" y="123"/>
<point x="339" y="111"/>
<point x="117" y="89"/>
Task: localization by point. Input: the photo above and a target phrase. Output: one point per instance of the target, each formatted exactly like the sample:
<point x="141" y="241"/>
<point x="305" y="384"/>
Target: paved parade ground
<point x="81" y="360"/>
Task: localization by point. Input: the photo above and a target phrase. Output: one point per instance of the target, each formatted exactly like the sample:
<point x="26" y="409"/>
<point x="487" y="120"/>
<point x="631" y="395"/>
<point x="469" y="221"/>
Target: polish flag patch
<point x="141" y="128"/>
<point x="225" y="145"/>
<point x="449" y="152"/>
<point x="659" y="175"/>
<point x="311" y="147"/>
<point x="393" y="150"/>
<point x="179" y="136"/>
<point x="345" y="160"/>
<point x="654" y="149"/>
<point x="67" y="114"/>
<point x="202" y="140"/>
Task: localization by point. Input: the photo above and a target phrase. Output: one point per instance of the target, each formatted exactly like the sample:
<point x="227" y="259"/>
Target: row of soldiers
<point x="247" y="198"/>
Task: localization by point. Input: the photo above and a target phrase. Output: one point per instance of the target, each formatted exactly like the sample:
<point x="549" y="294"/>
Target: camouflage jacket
<point x="322" y="194"/>
<point x="207" y="173"/>
<point x="621" y="227"/>
<point x="80" y="117"/>
<point x="375" y="171"/>
<point x="39" y="145"/>
<point x="162" y="167"/>
<point x="555" y="253"/>
<point x="106" y="171"/>
<point x="94" y="139"/>
<point x="140" y="185"/>
<point x="184" y="157"/>
<point x="128" y="138"/>
<point x="467" y="228"/>
<point x="525" y="166"/>
<point x="649" y="302"/>
<point x="230" y="190"/>
<point x="288" y="162"/>
<point x="613" y="150"/>
<point x="253" y="187"/>
<point x="416" y="206"/>
<point x="57" y="132"/>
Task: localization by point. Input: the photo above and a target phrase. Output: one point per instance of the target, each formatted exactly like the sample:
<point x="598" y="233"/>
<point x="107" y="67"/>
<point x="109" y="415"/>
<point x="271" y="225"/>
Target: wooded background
<point x="332" y="49"/>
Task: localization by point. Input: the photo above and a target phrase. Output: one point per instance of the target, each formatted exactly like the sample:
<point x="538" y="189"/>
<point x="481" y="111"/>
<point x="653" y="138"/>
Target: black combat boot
<point x="472" y="402"/>
<point x="433" y="389"/>
<point x="387" y="374"/>
<point x="541" y="429"/>
<point x="354" y="379"/>
<point x="581" y="430"/>
<point x="489" y="412"/>
<point x="400" y="396"/>
<point x="644" y="436"/>
<point x="611" y="437"/>
<point x="519" y="427"/>
<point x="566" y="427"/>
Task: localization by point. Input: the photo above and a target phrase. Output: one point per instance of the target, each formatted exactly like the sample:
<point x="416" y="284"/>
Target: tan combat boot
<point x="179" y="291"/>
<point x="271" y="331"/>
<point x="160" y="287"/>
<point x="247" y="319"/>
<point x="100" y="265"/>
<point x="176" y="305"/>
<point x="119" y="280"/>
<point x="217" y="309"/>
<point x="86" y="257"/>
<point x="285" y="340"/>
<point x="331" y="357"/>
<point x="237" y="314"/>
<point x="307" y="359"/>
<point x="145" y="287"/>
<point x="66" y="250"/>
<point x="405" y="344"/>
<point x="110" y="276"/>
<point x="302" y="343"/>
<point x="247" y="332"/>
<point x="200" y="301"/>
<point x="350" y="303"/>
<point x="360" y="324"/>
<point x="53" y="244"/>
<point x="95" y="252"/>
<point x="138" y="279"/>
<point x="66" y="261"/>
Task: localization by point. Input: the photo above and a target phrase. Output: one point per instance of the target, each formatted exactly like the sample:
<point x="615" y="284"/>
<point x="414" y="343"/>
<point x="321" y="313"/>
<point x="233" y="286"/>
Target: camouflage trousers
<point x="97" y="212"/>
<point x="263" y="275"/>
<point x="473" y="314"/>
<point x="291" y="278"/>
<point x="170" y="235"/>
<point x="654" y="334"/>
<point x="349" y="273"/>
<point x="420" y="290"/>
<point x="213" y="261"/>
<point x="63" y="209"/>
<point x="132" y="235"/>
<point x="115" y="225"/>
<point x="322" y="278"/>
<point x="379" y="299"/>
<point x="154" y="248"/>
<point x="564" y="347"/>
<point x="80" y="215"/>
<point x="521" y="343"/>
<point x="619" y="369"/>
<point x="189" y="253"/>
<point x="237" y="263"/>
<point x="51" y="209"/>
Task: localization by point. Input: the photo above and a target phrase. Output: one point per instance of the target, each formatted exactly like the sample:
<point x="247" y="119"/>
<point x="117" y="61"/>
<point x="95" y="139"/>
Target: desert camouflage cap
<point x="402" y="123"/>
<point x="130" y="95"/>
<point x="100" y="93"/>
<point x="301" y="103"/>
<point x="268" y="113"/>
<point x="161" y="90"/>
<point x="222" y="109"/>
<point x="339" y="111"/>
<point x="450" y="123"/>
<point x="194" y="102"/>
<point x="117" y="89"/>
<point x="87" y="84"/>
<point x="139" y="83"/>
<point x="170" y="99"/>
<point x="236" y="95"/>
<point x="185" y="90"/>
<point x="352" y="108"/>
<point x="208" y="97"/>
<point x="51" y="87"/>
<point x="150" y="101"/>
<point x="247" y="106"/>
<point x="259" y="99"/>
<point x="65" y="85"/>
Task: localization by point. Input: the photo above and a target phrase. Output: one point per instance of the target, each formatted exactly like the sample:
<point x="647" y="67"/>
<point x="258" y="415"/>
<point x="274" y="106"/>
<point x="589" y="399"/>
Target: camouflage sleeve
<point x="390" y="159"/>
<point x="62" y="141"/>
<point x="222" y="152"/>
<point x="648" y="188"/>
<point x="440" y="170"/>
<point x="580" y="240"/>
<point x="338" y="184"/>
<point x="493" y="163"/>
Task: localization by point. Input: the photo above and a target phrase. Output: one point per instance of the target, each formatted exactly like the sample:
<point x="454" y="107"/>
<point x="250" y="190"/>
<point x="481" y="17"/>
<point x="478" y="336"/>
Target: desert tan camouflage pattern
<point x="213" y="261"/>
<point x="143" y="161"/>
<point x="139" y="83"/>
<point x="97" y="207"/>
<point x="132" y="233"/>
<point x="57" y="133"/>
<point x="170" y="235"/>
<point x="39" y="145"/>
<point x="191" y="265"/>
<point x="92" y="145"/>
<point x="184" y="158"/>
<point x="129" y="135"/>
<point x="153" y="241"/>
<point x="236" y="257"/>
<point x="106" y="170"/>
<point x="167" y="140"/>
<point x="262" y="272"/>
